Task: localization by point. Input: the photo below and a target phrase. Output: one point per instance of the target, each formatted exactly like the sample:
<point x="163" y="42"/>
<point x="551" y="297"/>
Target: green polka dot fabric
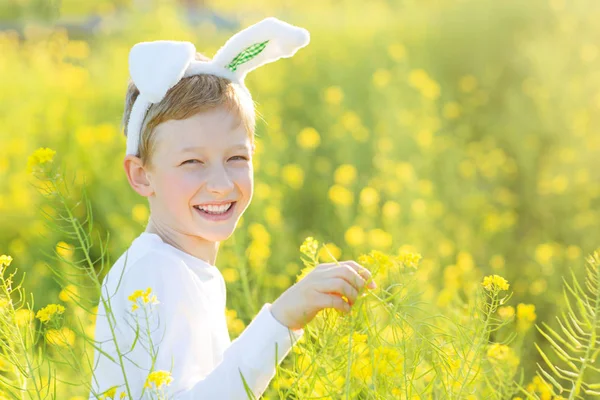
<point x="248" y="54"/>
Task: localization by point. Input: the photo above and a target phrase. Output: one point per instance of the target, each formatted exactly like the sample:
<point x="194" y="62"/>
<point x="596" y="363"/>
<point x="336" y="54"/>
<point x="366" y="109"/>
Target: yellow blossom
<point x="494" y="283"/>
<point x="47" y="313"/>
<point x="391" y="210"/>
<point x="293" y="175"/>
<point x="146" y="297"/>
<point x="68" y="293"/>
<point x="345" y="174"/>
<point x="158" y="378"/>
<point x="23" y="316"/>
<point x="324" y="253"/>
<point x="234" y="324"/>
<point x="309" y="247"/>
<point x="5" y="260"/>
<point x="110" y="393"/>
<point x="340" y="195"/>
<point x="355" y="236"/>
<point x="396" y="51"/>
<point x="409" y="259"/>
<point x="230" y="275"/>
<point x="506" y="312"/>
<point x="64" y="249"/>
<point x="62" y="337"/>
<point x="140" y="213"/>
<point x="39" y="158"/>
<point x="525" y="315"/>
<point x="308" y="138"/>
<point x="369" y="197"/>
<point x="379" y="238"/>
<point x="502" y="353"/>
<point x="334" y="95"/>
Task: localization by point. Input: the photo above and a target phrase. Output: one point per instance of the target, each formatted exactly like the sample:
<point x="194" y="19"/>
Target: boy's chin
<point x="216" y="235"/>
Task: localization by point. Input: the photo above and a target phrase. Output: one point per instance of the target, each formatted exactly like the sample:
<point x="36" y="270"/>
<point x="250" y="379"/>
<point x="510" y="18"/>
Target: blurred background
<point x="465" y="130"/>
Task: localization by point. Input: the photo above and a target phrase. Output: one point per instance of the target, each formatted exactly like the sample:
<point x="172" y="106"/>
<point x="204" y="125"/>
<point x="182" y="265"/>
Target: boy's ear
<point x="136" y="175"/>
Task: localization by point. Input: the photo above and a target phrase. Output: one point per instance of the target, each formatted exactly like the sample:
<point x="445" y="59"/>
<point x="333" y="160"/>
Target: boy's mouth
<point x="216" y="210"/>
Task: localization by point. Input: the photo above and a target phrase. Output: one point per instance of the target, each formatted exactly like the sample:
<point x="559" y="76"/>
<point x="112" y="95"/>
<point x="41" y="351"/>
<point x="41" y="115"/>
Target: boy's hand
<point x="322" y="287"/>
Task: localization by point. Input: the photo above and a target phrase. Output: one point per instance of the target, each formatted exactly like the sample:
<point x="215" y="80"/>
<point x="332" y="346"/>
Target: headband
<point x="157" y="66"/>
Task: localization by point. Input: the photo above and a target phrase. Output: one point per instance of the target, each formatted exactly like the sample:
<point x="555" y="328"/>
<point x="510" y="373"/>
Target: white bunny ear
<point x="157" y="66"/>
<point x="259" y="44"/>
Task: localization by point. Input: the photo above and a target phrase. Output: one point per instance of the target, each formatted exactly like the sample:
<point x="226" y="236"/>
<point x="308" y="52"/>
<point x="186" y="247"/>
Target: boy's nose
<point x="219" y="181"/>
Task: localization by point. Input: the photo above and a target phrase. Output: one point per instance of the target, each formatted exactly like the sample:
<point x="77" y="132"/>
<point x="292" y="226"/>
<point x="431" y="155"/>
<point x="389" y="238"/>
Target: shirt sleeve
<point x="178" y="329"/>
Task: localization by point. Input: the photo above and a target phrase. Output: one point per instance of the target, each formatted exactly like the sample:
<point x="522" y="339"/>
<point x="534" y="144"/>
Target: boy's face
<point x="216" y="167"/>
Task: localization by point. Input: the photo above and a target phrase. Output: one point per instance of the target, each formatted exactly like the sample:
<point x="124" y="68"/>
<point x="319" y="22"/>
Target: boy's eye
<point x="242" y="157"/>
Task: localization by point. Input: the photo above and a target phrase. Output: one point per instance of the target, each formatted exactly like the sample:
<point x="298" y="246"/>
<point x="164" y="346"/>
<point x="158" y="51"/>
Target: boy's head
<point x="201" y="111"/>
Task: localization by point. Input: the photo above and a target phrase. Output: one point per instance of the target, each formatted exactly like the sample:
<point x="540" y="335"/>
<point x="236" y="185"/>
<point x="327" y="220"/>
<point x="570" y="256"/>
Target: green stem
<point x="98" y="286"/>
<point x="577" y="386"/>
<point x="479" y="344"/>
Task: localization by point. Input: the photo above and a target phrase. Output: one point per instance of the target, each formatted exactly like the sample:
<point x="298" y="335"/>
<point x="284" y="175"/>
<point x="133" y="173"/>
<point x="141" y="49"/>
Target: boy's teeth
<point x="215" y="209"/>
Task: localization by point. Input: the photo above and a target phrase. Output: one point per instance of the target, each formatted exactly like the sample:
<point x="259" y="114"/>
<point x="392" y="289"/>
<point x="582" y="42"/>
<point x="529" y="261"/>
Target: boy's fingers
<point x="362" y="271"/>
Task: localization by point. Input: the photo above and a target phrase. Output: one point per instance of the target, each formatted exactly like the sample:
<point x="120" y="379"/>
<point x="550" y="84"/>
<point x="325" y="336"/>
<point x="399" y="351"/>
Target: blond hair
<point x="191" y="95"/>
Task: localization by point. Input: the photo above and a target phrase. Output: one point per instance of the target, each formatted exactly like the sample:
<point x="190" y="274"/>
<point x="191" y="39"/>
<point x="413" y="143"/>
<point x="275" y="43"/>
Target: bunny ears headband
<point x="157" y="66"/>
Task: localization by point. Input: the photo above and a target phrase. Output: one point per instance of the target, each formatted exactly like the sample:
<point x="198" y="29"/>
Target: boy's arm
<point x="183" y="333"/>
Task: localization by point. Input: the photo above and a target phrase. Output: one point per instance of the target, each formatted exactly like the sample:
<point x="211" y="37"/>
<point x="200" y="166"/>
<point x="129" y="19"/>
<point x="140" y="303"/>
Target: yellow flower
<point x="369" y="197"/>
<point x="158" y="378"/>
<point x="5" y="260"/>
<point x="110" y="393"/>
<point x="495" y="283"/>
<point x="340" y="195"/>
<point x="506" y="312"/>
<point x="409" y="259"/>
<point x="526" y="313"/>
<point x="140" y="213"/>
<point x="234" y="324"/>
<point x="544" y="253"/>
<point x="309" y="247"/>
<point x="355" y="236"/>
<point x="230" y="275"/>
<point x="63" y="337"/>
<point x="47" y="313"/>
<point x="324" y="253"/>
<point x="38" y="158"/>
<point x="144" y="295"/>
<point x="334" y="95"/>
<point x="345" y="174"/>
<point x="378" y="260"/>
<point x="397" y="51"/>
<point x="293" y="175"/>
<point x="23" y="316"/>
<point x="309" y="138"/>
<point x="390" y="210"/>
<point x="64" y="249"/>
<point x="4" y="303"/>
<point x="68" y="293"/>
<point x="501" y="353"/>
<point x="379" y="238"/>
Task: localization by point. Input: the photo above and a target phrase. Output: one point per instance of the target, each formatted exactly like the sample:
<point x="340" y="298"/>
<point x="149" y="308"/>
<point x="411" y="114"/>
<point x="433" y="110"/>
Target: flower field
<point x="450" y="146"/>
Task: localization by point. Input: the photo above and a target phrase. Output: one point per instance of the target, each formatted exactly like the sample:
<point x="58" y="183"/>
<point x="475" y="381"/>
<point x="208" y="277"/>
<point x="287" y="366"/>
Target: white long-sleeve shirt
<point x="191" y="316"/>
